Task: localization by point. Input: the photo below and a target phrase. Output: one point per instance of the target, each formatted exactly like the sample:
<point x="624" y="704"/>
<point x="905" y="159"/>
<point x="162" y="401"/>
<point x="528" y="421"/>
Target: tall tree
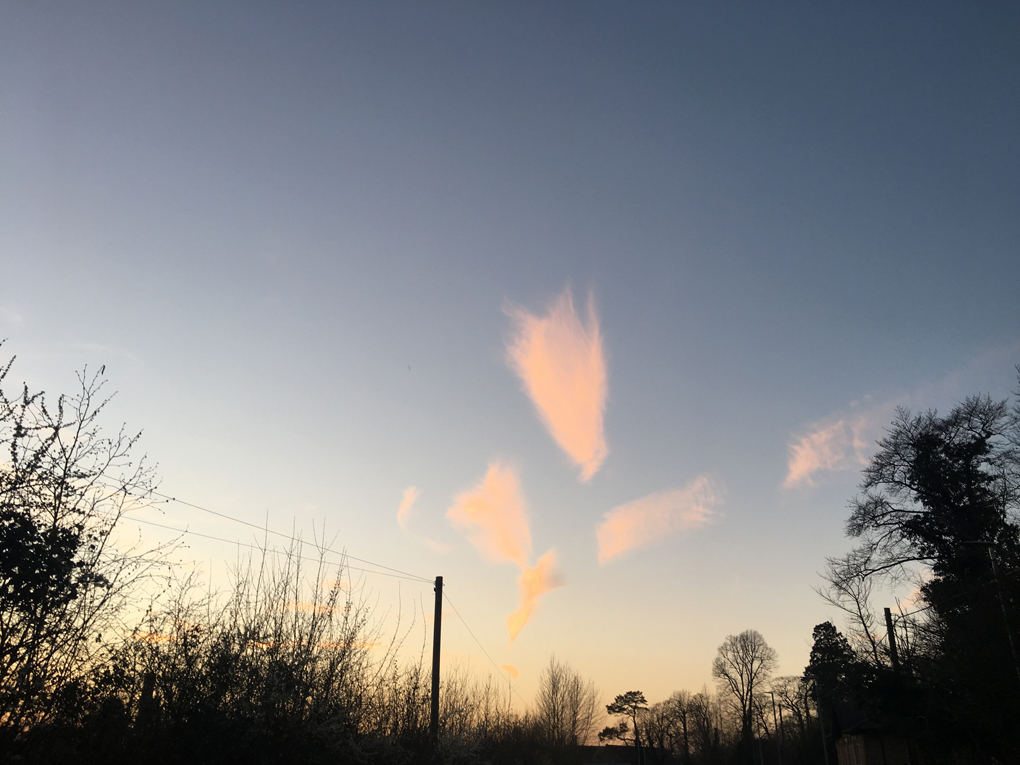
<point x="831" y="664"/>
<point x="681" y="704"/>
<point x="704" y="718"/>
<point x="629" y="706"/>
<point x="567" y="704"/>
<point x="935" y="484"/>
<point x="943" y="493"/>
<point x="742" y="666"/>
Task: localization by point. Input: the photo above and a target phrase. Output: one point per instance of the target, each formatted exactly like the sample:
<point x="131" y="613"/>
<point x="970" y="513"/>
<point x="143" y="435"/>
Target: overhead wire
<point x="388" y="570"/>
<point x="479" y="644"/>
<point x="133" y="519"/>
<point x="285" y="536"/>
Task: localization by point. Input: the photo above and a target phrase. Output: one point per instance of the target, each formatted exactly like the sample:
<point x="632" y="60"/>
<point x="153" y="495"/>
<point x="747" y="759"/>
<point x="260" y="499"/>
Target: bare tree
<point x="681" y="703"/>
<point x="667" y="725"/>
<point x="705" y="720"/>
<point x="568" y="705"/>
<point x="63" y="487"/>
<point x="793" y="694"/>
<point x="743" y="665"/>
<point x="849" y="584"/>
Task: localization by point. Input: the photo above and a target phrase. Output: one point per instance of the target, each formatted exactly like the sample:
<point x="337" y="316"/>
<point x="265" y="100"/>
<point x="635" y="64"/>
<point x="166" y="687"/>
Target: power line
<point x="389" y="571"/>
<point x="261" y="549"/>
<point x="284" y="536"/>
<point x="479" y="644"/>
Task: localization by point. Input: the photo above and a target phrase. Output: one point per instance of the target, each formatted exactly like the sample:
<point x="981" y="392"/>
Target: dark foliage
<point x="942" y="491"/>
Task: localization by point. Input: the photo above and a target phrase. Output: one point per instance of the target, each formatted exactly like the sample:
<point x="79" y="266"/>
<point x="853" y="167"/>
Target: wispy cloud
<point x="645" y="520"/>
<point x="826" y="446"/>
<point x="846" y="439"/>
<point x="494" y="517"/>
<point x="562" y="366"/>
<point x="511" y="670"/>
<point x="411" y="495"/>
<point x="839" y="442"/>
<point x="534" y="583"/>
<point x="915" y="599"/>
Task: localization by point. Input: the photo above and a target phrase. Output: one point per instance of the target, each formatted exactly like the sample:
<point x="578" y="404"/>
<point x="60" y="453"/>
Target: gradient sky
<point x="343" y="260"/>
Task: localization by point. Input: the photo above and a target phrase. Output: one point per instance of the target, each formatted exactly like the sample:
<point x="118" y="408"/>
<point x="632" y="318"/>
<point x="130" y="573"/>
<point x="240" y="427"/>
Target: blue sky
<point x="295" y="236"/>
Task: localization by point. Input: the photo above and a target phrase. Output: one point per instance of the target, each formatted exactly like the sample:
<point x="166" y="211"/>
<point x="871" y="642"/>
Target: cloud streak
<point x="828" y="446"/>
<point x="561" y="364"/>
<point x="494" y="518"/>
<point x="411" y="495"/>
<point x="845" y="439"/>
<point x="643" y="521"/>
<point x="534" y="583"/>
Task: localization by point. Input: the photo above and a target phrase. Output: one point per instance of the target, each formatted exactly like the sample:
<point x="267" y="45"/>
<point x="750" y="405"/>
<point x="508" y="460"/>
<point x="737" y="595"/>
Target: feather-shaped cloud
<point x="562" y="366"/>
<point x="643" y="521"/>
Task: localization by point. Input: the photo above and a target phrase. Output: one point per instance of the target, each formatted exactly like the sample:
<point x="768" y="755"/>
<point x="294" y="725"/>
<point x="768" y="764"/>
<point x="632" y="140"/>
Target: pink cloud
<point x="562" y="366"/>
<point x="648" y="519"/>
<point x="534" y="583"/>
<point x="494" y="517"/>
<point x="411" y="495"/>
<point x="839" y="445"/>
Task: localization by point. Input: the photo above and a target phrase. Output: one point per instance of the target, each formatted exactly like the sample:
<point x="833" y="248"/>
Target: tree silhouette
<point x="566" y="704"/>
<point x="742" y="666"/>
<point x="942" y="492"/>
<point x="63" y="487"/>
<point x="626" y="705"/>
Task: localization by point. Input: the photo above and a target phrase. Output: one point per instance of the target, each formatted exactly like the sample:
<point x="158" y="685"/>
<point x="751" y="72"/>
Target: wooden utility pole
<point x="893" y="653"/>
<point x="436" y="642"/>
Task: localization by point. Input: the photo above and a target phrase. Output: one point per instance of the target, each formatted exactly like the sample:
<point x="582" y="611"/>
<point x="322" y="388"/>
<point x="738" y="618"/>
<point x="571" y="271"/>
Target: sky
<point x="596" y="310"/>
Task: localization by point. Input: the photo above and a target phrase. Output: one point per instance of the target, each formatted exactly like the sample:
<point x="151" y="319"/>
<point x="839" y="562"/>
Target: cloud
<point x="828" y="445"/>
<point x="411" y="495"/>
<point x="534" y="583"/>
<point x="561" y="363"/>
<point x="915" y="598"/>
<point x="494" y="517"/>
<point x="645" y="520"/>
<point x="511" y="670"/>
<point x="439" y="547"/>
<point x="845" y="439"/>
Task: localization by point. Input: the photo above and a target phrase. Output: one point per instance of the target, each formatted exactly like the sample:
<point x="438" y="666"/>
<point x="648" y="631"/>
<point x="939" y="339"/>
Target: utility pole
<point x="821" y="721"/>
<point x="893" y="653"/>
<point x="436" y="642"/>
<point x="776" y="727"/>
